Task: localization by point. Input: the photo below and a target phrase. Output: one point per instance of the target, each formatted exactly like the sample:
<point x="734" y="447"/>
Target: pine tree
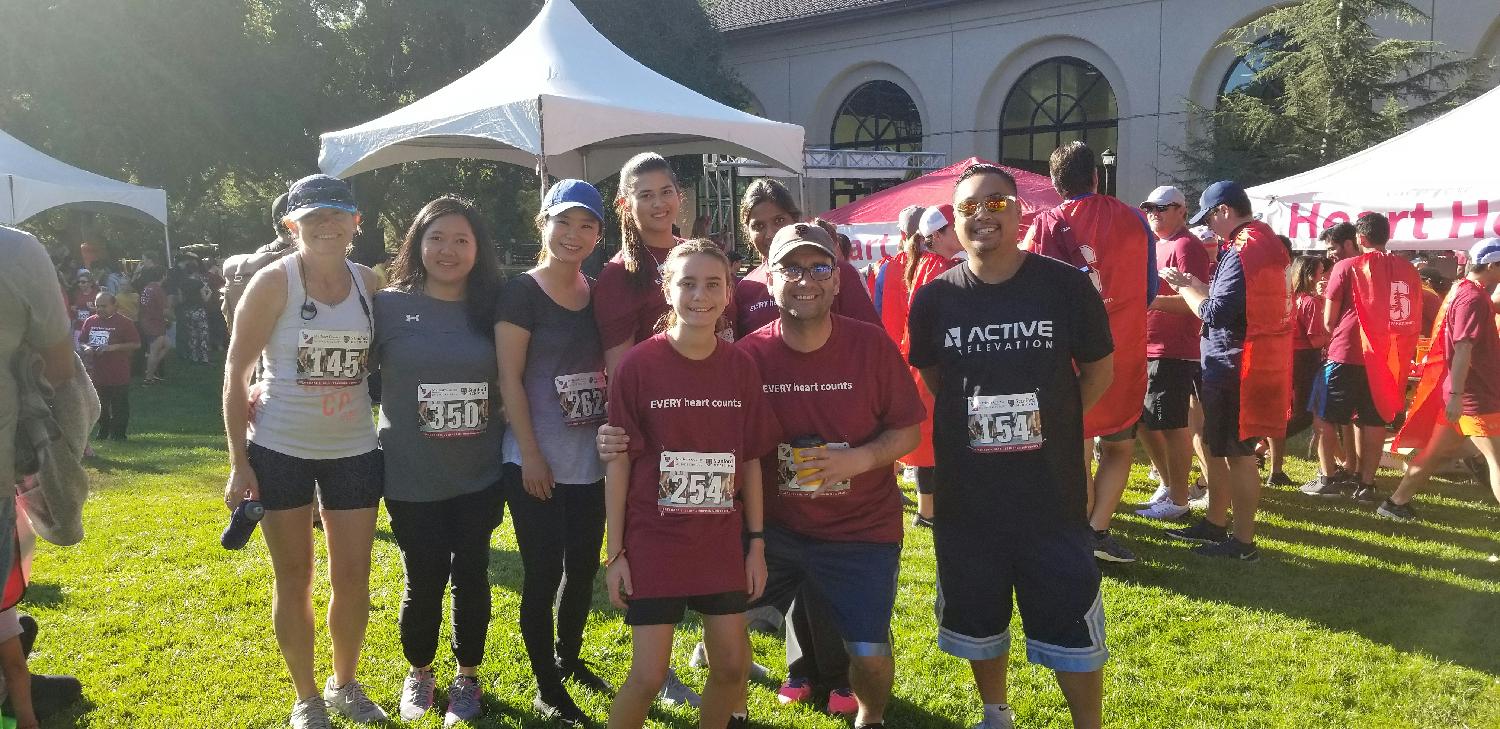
<point x="1326" y="85"/>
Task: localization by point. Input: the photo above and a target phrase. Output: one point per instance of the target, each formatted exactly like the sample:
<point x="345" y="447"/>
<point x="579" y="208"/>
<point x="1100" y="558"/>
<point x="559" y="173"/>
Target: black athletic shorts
<point x="1341" y="395"/>
<point x="287" y="482"/>
<point x="1050" y="572"/>
<point x="1221" y="420"/>
<point x="1170" y="386"/>
<point x="671" y="610"/>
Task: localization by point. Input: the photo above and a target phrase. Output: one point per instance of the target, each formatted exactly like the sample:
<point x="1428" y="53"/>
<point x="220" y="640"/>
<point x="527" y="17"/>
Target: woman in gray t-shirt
<point x="440" y="433"/>
<point x="552" y="379"/>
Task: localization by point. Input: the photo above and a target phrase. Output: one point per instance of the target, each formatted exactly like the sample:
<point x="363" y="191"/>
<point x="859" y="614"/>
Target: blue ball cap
<point x="566" y="194"/>
<point x="1219" y="193"/>
<point x="319" y="191"/>
<point x="1485" y="252"/>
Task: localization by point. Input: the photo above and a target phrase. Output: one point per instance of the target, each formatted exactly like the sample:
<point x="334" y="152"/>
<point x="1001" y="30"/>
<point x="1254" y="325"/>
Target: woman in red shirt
<point x="688" y="491"/>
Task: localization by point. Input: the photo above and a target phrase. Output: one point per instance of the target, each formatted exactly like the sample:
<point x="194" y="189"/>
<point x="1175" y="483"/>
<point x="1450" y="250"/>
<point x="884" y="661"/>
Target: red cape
<point x="1427" y="405"/>
<point x="1266" y="368"/>
<point x="1387" y="296"/>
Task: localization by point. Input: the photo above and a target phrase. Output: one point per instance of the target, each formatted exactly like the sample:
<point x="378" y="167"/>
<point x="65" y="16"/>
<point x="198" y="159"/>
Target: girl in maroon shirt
<point x="697" y="420"/>
<point x="1309" y="276"/>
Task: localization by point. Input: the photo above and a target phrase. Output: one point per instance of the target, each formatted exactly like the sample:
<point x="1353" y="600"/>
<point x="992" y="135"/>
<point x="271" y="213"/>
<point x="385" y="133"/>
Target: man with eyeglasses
<point x="1015" y="348"/>
<point x="1110" y="241"/>
<point x="1172" y="368"/>
<point x="848" y="409"/>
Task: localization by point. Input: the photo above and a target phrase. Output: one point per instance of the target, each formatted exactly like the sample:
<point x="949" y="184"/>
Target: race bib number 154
<point x="696" y="483"/>
<point x="1005" y="423"/>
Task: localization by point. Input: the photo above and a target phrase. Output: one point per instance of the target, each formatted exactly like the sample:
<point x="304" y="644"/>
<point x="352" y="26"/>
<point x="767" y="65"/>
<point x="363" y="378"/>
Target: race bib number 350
<point x="696" y="483"/>
<point x="332" y="358"/>
<point x="453" y="410"/>
<point x="581" y="397"/>
<point x="1004" y="423"/>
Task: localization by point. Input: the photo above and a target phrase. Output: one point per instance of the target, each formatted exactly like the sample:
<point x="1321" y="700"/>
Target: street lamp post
<point x="1108" y="158"/>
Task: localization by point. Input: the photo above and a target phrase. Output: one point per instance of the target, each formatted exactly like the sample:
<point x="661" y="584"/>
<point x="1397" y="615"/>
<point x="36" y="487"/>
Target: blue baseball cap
<point x="567" y="194"/>
<point x="1220" y="193"/>
<point x="319" y="191"/>
<point x="1485" y="252"/>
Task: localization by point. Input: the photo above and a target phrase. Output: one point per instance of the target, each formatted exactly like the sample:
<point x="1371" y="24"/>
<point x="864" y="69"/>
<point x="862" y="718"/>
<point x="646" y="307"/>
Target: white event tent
<point x="1438" y="183"/>
<point x="563" y="99"/>
<point x="32" y="183"/>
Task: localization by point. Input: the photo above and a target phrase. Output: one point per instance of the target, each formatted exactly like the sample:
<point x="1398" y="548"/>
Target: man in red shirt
<point x="1466" y="356"/>
<point x="1172" y="366"/>
<point x="1373" y="309"/>
<point x="108" y="339"/>
<point x="1108" y="240"/>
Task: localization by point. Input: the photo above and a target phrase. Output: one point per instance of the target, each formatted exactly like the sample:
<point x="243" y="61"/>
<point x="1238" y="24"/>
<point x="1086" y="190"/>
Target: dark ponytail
<point x="633" y="250"/>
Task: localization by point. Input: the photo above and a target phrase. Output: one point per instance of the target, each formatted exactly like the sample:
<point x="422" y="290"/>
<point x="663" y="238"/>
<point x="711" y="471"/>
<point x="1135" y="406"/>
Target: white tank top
<point x="315" y="404"/>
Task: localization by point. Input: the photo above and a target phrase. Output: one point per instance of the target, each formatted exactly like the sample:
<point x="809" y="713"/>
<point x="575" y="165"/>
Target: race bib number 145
<point x="1005" y="423"/>
<point x="332" y="358"/>
<point x="696" y="483"/>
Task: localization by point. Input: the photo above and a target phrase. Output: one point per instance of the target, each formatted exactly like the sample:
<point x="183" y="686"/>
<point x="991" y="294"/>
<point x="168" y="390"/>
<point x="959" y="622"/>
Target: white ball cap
<point x="935" y="219"/>
<point x="1166" y="195"/>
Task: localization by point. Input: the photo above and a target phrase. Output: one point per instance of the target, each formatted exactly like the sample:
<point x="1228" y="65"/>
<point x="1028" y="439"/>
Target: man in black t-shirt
<point x="997" y="341"/>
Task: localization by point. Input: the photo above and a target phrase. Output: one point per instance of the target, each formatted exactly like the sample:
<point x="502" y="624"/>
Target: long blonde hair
<point x="673" y="266"/>
<point x="632" y="247"/>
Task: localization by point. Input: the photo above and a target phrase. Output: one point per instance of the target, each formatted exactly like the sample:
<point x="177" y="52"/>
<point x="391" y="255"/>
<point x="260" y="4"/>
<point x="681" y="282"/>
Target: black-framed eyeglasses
<point x="817" y="272"/>
<point x="1154" y="208"/>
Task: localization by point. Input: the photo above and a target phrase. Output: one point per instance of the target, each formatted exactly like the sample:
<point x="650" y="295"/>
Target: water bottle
<point x="242" y="524"/>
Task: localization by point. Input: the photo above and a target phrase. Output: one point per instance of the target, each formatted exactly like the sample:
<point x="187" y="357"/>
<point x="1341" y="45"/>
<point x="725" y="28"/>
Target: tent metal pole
<point x="10" y="216"/>
<point x="541" y="158"/>
<point x="166" y="234"/>
<point x="802" y="192"/>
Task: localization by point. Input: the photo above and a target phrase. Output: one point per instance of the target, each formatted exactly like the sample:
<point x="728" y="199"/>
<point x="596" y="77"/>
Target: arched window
<point x="1240" y="79"/>
<point x="1057" y="101"/>
<point x="876" y="115"/>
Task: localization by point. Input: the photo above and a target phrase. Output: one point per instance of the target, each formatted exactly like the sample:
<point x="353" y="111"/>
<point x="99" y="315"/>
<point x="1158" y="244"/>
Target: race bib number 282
<point x="696" y="483"/>
<point x="1004" y="423"/>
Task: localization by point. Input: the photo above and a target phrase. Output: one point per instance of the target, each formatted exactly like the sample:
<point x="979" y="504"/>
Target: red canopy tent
<point x="870" y="222"/>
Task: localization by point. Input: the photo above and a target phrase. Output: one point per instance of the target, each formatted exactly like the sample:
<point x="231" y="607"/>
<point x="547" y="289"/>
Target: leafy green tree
<point x="1326" y="85"/>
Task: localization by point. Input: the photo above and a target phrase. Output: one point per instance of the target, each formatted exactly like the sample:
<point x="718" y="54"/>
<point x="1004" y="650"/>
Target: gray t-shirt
<point x="31" y="315"/>
<point x="564" y="380"/>
<point x="439" y="415"/>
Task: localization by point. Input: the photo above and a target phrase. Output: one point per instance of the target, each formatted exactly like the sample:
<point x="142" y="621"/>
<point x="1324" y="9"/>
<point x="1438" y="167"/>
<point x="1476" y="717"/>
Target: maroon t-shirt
<point x="1471" y="318"/>
<point x="848" y="391"/>
<point x="678" y="544"/>
<point x="1431" y="302"/>
<point x="108" y="369"/>
<point x="627" y="313"/>
<point x="757" y="307"/>
<point x="1344" y="347"/>
<point x="1168" y="335"/>
<point x="153" y="311"/>
<point x="1309" y="322"/>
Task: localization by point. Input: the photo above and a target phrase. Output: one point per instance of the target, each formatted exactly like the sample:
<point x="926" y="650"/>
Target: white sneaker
<point x="675" y="692"/>
<point x="350" y="702"/>
<point x="1199" y="490"/>
<point x="1162" y="493"/>
<point x="416" y="693"/>
<point x="1165" y="510"/>
<point x="699" y="659"/>
<point x="310" y="713"/>
<point x="1006" y="720"/>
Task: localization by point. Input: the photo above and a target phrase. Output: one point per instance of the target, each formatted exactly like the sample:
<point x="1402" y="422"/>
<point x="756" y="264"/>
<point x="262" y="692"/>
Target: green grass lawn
<point x="1347" y="621"/>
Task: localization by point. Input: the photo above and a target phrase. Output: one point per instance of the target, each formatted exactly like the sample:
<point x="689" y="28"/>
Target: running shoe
<point x="1479" y="470"/>
<point x="1365" y="493"/>
<point x="1162" y="493"/>
<point x="310" y="713"/>
<point x="921" y="521"/>
<point x="675" y="692"/>
<point x="1108" y="549"/>
<point x="764" y="619"/>
<point x="841" y="702"/>
<point x="1279" y="478"/>
<point x="737" y="722"/>
<point x="794" y="691"/>
<point x="580" y="671"/>
<point x="1197" y="491"/>
<point x="1006" y="720"/>
<point x="699" y="659"/>
<point x="1165" y="510"/>
<point x="1201" y="532"/>
<point x="350" y="702"/>
<point x="464" y="696"/>
<point x="1230" y="547"/>
<point x="416" y="693"/>
<point x="1400" y="512"/>
<point x="1324" y="487"/>
<point x="558" y="706"/>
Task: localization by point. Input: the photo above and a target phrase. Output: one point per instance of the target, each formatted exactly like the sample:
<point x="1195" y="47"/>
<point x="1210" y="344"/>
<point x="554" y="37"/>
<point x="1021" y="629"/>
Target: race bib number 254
<point x="696" y="483"/>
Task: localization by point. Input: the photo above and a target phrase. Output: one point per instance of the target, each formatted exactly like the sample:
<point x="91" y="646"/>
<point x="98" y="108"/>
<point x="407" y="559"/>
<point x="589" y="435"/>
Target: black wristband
<point x="755" y="535"/>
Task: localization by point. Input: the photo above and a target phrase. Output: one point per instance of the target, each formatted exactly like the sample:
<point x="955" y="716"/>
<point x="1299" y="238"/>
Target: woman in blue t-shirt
<point x="435" y="349"/>
<point x="552" y="378"/>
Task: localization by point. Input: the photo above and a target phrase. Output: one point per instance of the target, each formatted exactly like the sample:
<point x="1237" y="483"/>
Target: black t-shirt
<point x="1008" y="421"/>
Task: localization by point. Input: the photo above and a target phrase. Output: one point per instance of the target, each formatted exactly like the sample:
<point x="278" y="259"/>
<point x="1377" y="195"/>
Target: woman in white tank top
<point x="307" y="321"/>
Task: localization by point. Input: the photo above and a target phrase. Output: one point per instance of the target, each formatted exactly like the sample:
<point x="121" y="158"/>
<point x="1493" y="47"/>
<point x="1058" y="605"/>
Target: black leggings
<point x="559" y="541"/>
<point x="1305" y="364"/>
<point x="114" y="410"/>
<point x="926" y="479"/>
<point x="442" y="541"/>
<point x="814" y="649"/>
